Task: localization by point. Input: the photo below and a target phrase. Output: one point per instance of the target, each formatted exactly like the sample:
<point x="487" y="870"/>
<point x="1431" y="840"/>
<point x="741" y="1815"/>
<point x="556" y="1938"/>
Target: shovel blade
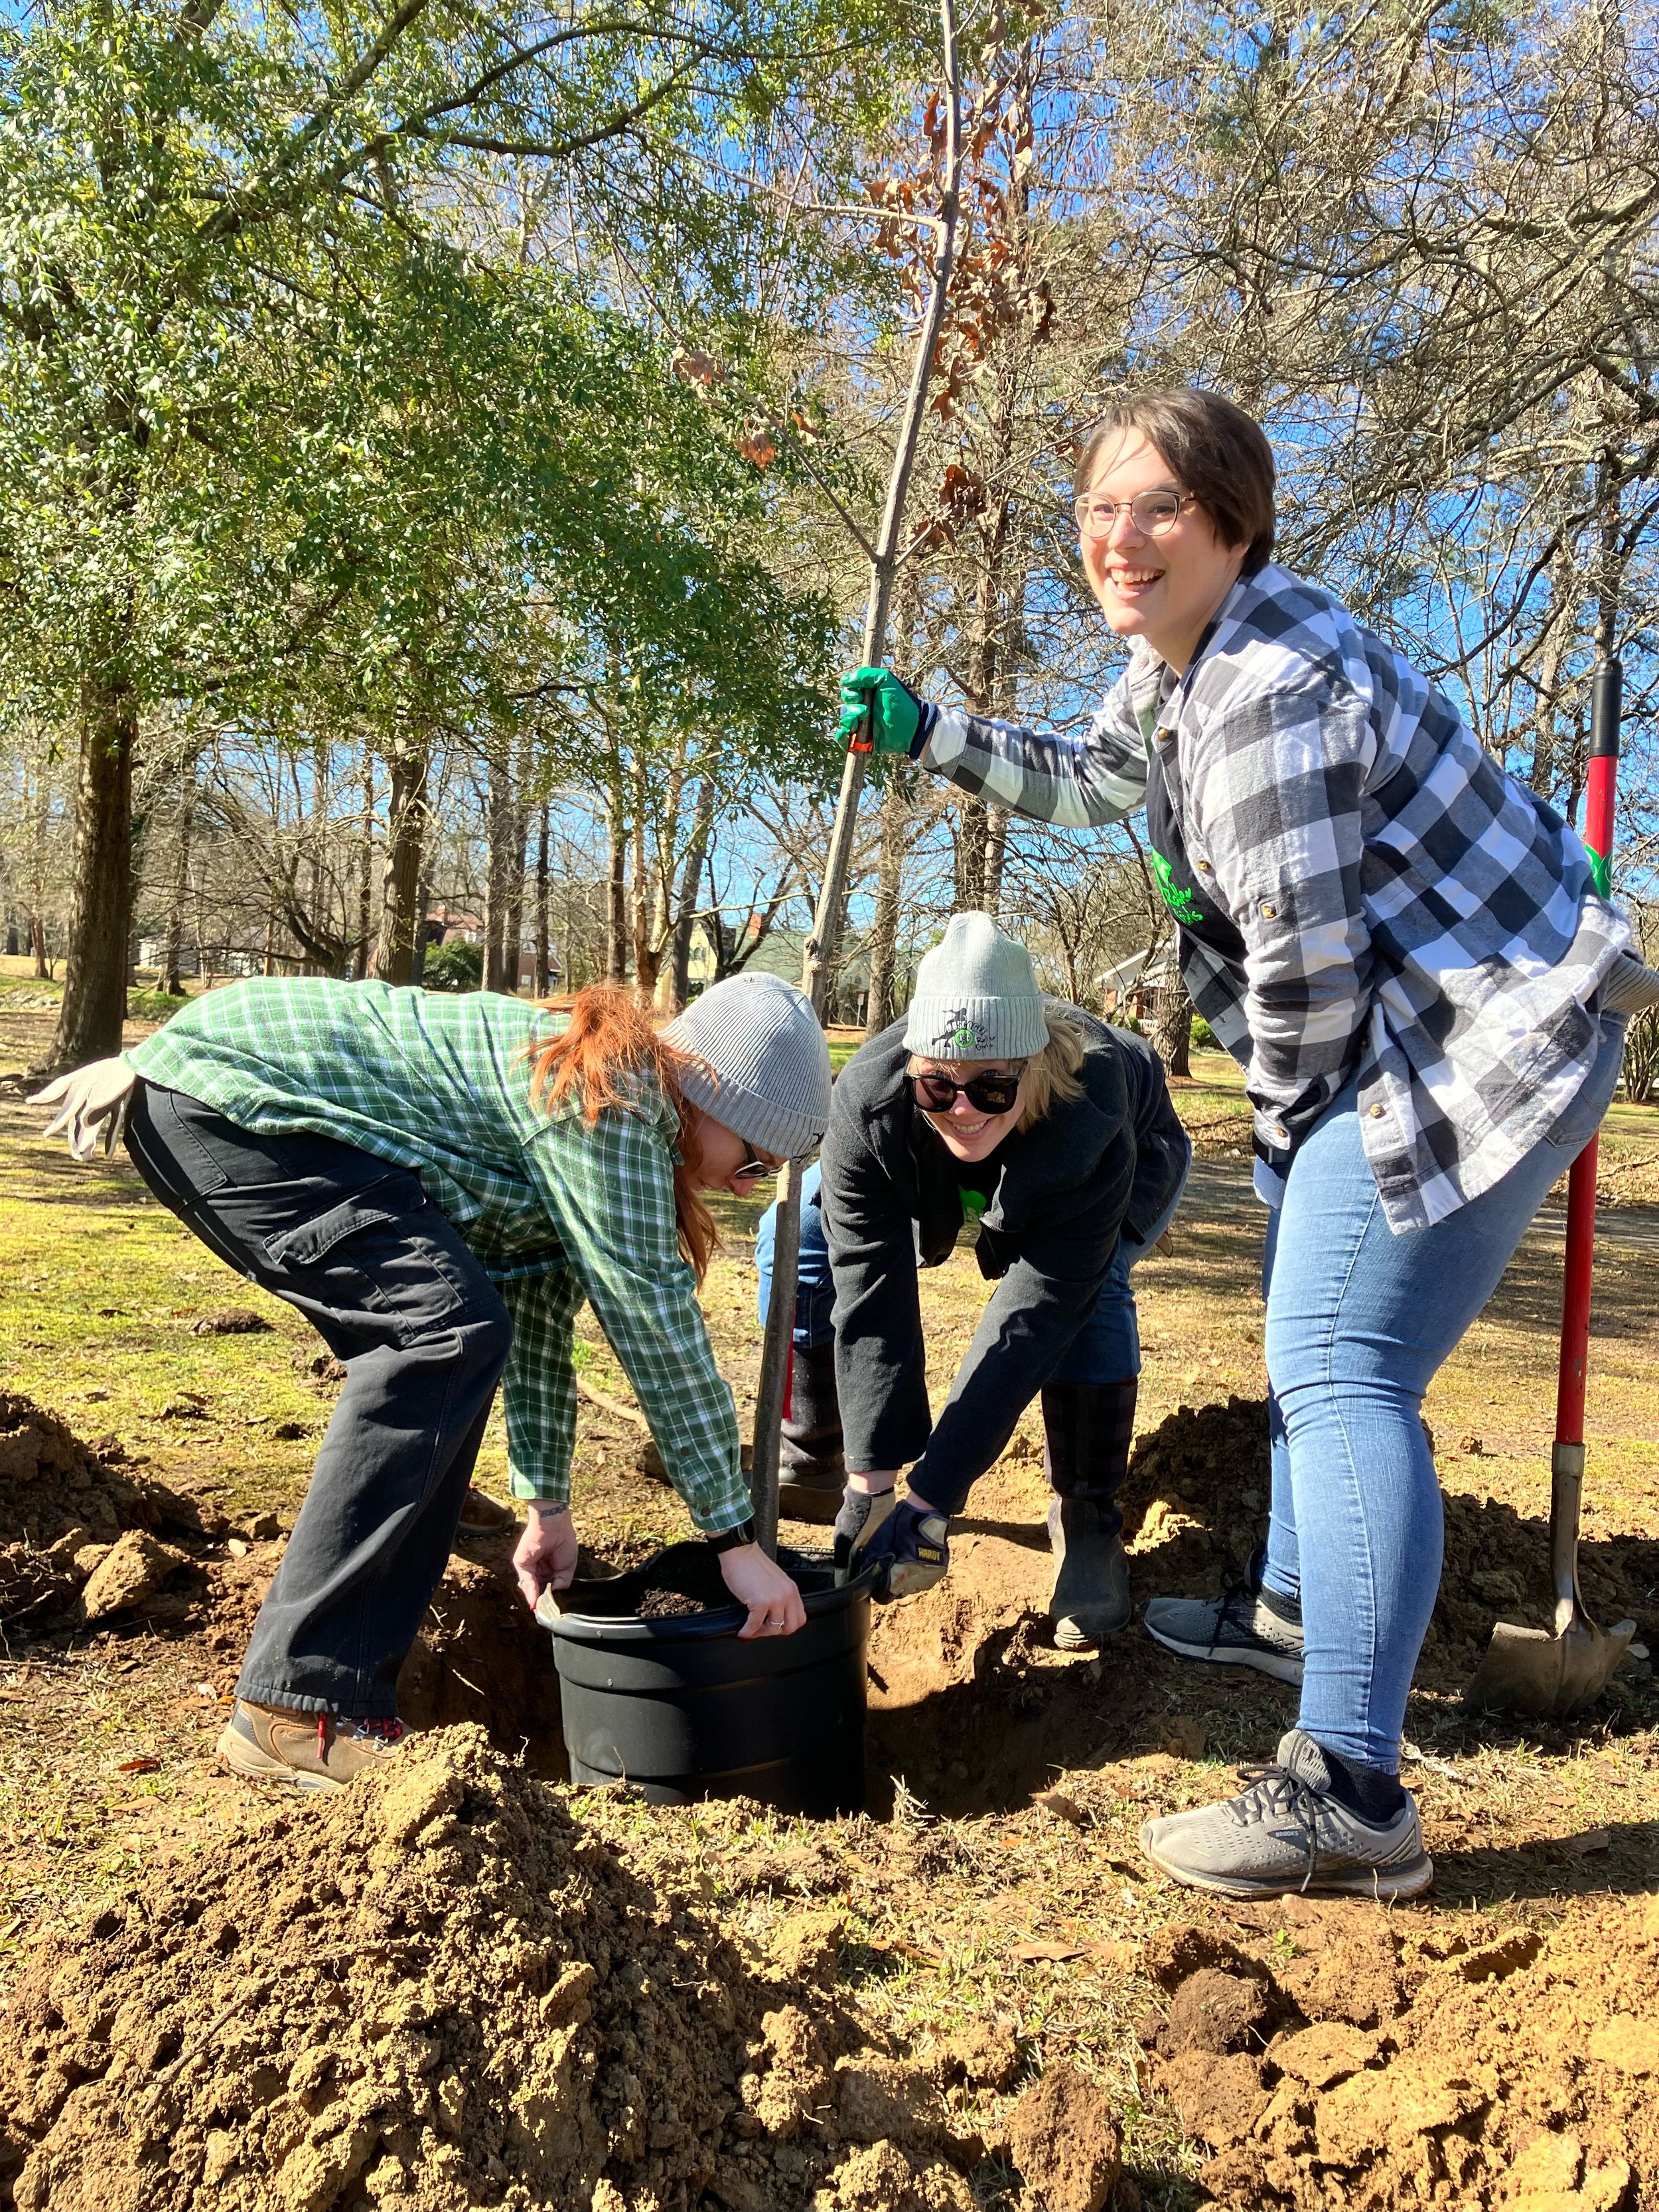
<point x="1542" y="1677"/>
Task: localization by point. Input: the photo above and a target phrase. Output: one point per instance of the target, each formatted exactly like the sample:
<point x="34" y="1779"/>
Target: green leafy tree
<point x="218" y="225"/>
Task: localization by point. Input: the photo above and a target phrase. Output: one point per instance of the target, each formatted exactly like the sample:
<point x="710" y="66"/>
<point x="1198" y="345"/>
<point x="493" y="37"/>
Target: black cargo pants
<point x="392" y="1290"/>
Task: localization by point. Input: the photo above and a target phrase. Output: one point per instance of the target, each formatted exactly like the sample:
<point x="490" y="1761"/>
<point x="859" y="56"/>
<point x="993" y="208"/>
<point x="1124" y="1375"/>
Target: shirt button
<point x="1205" y="869"/>
<point x="1375" y="1112"/>
<point x="1269" y="912"/>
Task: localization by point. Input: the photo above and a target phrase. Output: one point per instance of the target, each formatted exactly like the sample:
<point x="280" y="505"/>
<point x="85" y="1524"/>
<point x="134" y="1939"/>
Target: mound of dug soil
<point x="64" y="1504"/>
<point x="1195" y="1507"/>
<point x="1506" y="2066"/>
<point x="1195" y="1501"/>
<point x="436" y="1990"/>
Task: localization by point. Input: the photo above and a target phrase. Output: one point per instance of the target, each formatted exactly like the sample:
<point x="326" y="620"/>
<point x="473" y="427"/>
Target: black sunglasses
<point x="991" y="1093"/>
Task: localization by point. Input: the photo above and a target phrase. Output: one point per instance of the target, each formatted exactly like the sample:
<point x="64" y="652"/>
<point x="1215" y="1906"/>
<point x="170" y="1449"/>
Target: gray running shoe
<point x="1089" y="1601"/>
<point x="1237" y="1628"/>
<point x="1287" y="1832"/>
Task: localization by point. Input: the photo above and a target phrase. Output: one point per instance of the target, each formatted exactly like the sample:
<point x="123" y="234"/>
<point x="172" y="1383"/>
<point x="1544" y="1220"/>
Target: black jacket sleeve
<point x="1034" y="1313"/>
<point x="1162" y="1151"/>
<point x="881" y="1362"/>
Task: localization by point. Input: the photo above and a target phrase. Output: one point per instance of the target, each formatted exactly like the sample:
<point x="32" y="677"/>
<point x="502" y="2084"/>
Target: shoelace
<point x="388" y="1731"/>
<point x="1278" y="1793"/>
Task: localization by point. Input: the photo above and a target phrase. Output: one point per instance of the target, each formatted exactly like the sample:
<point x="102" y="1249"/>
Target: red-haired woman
<point x="437" y="1183"/>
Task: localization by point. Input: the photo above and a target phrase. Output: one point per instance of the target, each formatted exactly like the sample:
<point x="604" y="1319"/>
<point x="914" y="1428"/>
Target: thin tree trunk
<point x="513" y="918"/>
<point x="996" y="851"/>
<point x="1172" y="1031"/>
<point x="971" y="824"/>
<point x="366" y="870"/>
<point x="38" y="883"/>
<point x="172" y="943"/>
<point x="645" y="898"/>
<point x="770" y="1388"/>
<point x="664" y="905"/>
<point x="405" y="848"/>
<point x="95" y="984"/>
<point x="321" y="922"/>
<point x="672" y="990"/>
<point x="615" y="912"/>
<point x="417" y="964"/>
<point x="498" y="873"/>
<point x="543" y="936"/>
<point x="896" y="802"/>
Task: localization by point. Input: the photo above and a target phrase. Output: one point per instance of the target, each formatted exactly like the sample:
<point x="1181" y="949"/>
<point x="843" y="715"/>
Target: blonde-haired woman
<point x="991" y="1104"/>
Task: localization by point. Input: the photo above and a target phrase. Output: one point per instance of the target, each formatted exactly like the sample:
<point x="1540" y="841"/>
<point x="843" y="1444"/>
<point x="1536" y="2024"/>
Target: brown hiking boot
<point x="307" y="1751"/>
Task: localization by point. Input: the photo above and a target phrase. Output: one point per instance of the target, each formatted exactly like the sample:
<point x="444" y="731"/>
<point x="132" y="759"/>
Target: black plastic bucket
<point x="683" y="1710"/>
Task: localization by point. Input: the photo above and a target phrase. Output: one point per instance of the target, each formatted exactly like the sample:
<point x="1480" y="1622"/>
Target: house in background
<point x="448" y="924"/>
<point x="782" y="954"/>
<point x="1140" y="986"/>
<point x="201" y="959"/>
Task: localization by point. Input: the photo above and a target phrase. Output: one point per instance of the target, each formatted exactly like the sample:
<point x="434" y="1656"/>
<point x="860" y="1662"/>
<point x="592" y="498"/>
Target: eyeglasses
<point x="1151" y="512"/>
<point x="991" y="1093"/>
<point x="752" y="1167"/>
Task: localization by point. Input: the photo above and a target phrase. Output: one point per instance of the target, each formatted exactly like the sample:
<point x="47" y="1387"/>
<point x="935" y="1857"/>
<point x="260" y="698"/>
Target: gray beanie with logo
<point x="771" y="1065"/>
<point x="976" y="997"/>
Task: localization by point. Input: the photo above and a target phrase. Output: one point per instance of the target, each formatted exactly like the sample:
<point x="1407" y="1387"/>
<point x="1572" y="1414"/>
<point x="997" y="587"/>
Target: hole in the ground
<point x="969" y="1703"/>
<point x="481" y="1656"/>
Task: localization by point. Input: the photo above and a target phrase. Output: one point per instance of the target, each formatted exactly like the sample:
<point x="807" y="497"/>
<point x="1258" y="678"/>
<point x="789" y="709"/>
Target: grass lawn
<point x="103" y="1292"/>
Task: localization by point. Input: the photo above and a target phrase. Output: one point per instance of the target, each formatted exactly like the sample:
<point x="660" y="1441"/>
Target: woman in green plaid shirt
<point x="437" y="1183"/>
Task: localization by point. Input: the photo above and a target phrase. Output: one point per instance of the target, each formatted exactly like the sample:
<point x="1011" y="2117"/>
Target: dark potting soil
<point x="681" y="1581"/>
<point x="668" y="1605"/>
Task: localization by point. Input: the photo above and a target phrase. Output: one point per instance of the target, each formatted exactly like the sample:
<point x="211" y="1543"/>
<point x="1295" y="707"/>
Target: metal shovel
<point x="1528" y="1670"/>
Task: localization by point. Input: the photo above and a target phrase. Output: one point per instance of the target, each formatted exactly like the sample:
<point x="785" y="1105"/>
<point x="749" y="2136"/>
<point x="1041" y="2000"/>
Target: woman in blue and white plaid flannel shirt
<point x="1408" y="951"/>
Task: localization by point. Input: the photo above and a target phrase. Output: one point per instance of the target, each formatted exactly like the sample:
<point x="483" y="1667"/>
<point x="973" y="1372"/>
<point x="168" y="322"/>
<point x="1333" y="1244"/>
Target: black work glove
<point x="909" y="1547"/>
<point x="861" y="1510"/>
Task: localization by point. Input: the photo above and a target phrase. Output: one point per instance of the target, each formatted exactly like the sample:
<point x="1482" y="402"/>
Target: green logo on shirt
<point x="1180" y="901"/>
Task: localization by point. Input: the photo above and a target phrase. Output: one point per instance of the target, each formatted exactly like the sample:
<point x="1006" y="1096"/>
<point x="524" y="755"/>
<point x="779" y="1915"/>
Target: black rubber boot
<point x="1088" y="1428"/>
<point x="812" y="1466"/>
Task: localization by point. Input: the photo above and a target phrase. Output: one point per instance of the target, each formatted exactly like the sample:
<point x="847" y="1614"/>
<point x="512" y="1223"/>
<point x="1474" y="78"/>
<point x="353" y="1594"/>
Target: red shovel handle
<point x="1600" y="781"/>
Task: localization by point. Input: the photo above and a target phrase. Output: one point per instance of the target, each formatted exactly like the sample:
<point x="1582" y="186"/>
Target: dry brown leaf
<point x="916" y="1954"/>
<point x="1062" y="1807"/>
<point x="1042" y="1947"/>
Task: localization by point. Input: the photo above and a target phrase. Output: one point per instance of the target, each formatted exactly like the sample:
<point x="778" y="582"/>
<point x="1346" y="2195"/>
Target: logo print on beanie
<point x="962" y="1036"/>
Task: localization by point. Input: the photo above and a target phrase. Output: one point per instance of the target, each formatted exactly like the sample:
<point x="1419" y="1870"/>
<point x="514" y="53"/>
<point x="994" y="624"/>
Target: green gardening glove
<point x="895" y="712"/>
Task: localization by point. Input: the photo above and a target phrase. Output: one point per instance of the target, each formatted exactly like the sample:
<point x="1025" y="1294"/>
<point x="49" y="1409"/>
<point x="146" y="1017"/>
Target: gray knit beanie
<point x="976" y="997"/>
<point x="771" y="1064"/>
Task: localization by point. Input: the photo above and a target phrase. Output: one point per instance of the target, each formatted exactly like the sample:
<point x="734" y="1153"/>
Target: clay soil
<point x="466" y="1984"/>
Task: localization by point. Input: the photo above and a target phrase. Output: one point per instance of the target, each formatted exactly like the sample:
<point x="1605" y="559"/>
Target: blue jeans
<point x="1358" y="1321"/>
<point x="386" y="1281"/>
<point x="815" y="1293"/>
<point x="1106" y="1349"/>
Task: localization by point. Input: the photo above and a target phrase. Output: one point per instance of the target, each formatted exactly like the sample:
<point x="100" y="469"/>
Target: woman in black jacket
<point x="991" y="1104"/>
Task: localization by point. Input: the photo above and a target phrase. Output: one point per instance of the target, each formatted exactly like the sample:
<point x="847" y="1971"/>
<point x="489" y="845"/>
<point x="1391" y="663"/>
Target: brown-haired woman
<point x="1409" y="954"/>
<point x="437" y="1183"/>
